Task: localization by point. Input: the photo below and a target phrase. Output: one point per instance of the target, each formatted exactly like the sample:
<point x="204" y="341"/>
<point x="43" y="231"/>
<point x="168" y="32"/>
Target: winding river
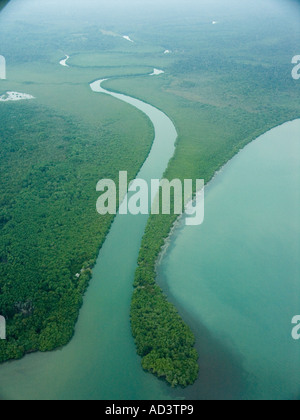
<point x="101" y="361"/>
<point x="240" y="290"/>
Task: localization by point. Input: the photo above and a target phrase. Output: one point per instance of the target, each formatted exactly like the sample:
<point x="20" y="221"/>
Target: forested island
<point x="221" y="90"/>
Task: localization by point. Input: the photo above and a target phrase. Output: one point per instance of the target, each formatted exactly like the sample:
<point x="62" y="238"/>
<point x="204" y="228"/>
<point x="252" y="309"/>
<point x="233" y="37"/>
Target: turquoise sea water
<point x="237" y="277"/>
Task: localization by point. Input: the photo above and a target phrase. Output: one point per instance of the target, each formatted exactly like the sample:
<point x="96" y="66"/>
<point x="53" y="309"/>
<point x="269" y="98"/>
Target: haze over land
<point x="223" y="85"/>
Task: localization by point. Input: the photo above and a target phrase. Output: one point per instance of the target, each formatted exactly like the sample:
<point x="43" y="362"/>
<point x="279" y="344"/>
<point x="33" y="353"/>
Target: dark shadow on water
<point x="3" y="3"/>
<point x="221" y="376"/>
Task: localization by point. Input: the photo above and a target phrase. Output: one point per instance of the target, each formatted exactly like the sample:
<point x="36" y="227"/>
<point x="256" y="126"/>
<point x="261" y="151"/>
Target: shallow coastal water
<point x="237" y="276"/>
<point x="240" y="308"/>
<point x="244" y="352"/>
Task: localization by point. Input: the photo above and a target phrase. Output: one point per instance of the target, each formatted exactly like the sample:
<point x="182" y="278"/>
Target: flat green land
<point x="50" y="230"/>
<point x="54" y="150"/>
<point x="224" y="85"/>
<point x="222" y="93"/>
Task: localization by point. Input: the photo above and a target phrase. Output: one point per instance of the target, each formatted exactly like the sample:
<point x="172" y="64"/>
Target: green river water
<point x="235" y="280"/>
<point x="101" y="361"/>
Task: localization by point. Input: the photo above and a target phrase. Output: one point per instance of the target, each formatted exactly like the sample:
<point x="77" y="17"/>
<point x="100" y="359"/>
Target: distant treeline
<point x="218" y="106"/>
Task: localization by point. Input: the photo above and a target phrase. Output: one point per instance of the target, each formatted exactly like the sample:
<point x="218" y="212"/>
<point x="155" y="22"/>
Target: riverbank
<point x="104" y="318"/>
<point x="155" y="243"/>
<point x="214" y="104"/>
<point x="179" y="220"/>
<point x="162" y="341"/>
<point x="65" y="166"/>
<point x="144" y="276"/>
<point x="235" y="351"/>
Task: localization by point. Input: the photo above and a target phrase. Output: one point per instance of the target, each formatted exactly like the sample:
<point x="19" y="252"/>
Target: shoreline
<point x="207" y="184"/>
<point x="176" y="224"/>
<point x="176" y="374"/>
<point x="199" y="329"/>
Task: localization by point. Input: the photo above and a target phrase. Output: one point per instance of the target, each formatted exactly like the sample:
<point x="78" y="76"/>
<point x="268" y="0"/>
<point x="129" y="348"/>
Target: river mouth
<point x="94" y="350"/>
<point x="103" y="338"/>
<point x="222" y="375"/>
<point x="101" y="362"/>
<point x="241" y="309"/>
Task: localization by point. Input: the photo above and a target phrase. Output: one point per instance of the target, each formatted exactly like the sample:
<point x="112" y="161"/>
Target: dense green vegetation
<point x="218" y="107"/>
<point x="50" y="231"/>
<point x="224" y="85"/>
<point x="163" y="340"/>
